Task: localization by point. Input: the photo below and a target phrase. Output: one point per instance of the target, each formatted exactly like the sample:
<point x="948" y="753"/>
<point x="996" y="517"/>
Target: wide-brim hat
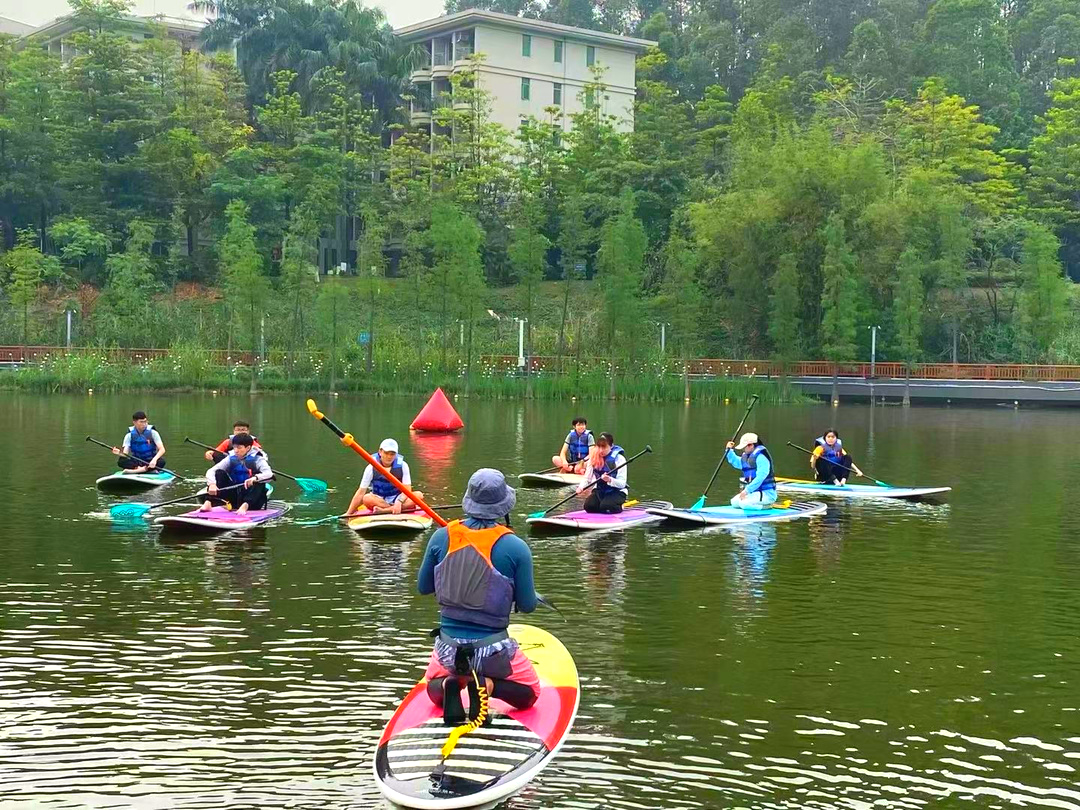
<point x="488" y="497"/>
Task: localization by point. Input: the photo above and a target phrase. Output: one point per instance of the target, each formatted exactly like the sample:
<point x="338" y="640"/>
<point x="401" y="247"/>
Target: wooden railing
<point x="217" y="357"/>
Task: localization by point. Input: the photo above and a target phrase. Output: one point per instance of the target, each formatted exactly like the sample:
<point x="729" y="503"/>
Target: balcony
<point x="421" y="75"/>
<point x="463" y="52"/>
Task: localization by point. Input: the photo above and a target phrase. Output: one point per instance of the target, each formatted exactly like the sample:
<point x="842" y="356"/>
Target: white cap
<point x="747" y="438"/>
<point x="389" y="445"/>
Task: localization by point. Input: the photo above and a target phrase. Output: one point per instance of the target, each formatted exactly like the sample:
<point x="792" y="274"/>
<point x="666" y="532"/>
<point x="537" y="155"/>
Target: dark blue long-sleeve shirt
<point x="511" y="557"/>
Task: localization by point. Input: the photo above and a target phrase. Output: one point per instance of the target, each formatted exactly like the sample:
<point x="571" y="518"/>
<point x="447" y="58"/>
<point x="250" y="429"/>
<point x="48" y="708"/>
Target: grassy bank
<point x="191" y="370"/>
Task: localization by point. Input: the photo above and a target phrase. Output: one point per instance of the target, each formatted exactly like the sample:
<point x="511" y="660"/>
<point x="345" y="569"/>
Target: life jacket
<point x="834" y="453"/>
<point x="749" y="468"/>
<point x="613" y="459"/>
<point x="241" y="469"/>
<point x="578" y="445"/>
<point x="468" y="587"/>
<point x="142" y="444"/>
<point x="381" y="485"/>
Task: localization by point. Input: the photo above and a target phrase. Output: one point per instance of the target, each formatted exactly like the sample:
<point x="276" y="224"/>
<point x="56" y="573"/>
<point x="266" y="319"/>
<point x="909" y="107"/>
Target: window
<point x="526" y="45"/>
<point x="524" y="89"/>
<point x="556" y="94"/>
<point x="558" y="51"/>
<point x="590" y="56"/>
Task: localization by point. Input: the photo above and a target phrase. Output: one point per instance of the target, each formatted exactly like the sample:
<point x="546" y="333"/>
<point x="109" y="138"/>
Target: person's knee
<point x="371" y="500"/>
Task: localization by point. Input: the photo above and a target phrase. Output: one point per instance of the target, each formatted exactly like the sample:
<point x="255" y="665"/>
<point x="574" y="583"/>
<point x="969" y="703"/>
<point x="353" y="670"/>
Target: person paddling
<point x="478" y="570"/>
<point x="577" y="446"/>
<point x="144" y="443"/>
<point x="831" y="463"/>
<point x="240" y="466"/>
<point x="609" y="494"/>
<point x="239" y="428"/>
<point x="383" y="495"/>
<point x="756" y="469"/>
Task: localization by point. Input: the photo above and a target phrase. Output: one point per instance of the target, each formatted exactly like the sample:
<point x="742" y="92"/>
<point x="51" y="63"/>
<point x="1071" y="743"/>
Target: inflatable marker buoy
<point x="437" y="415"/>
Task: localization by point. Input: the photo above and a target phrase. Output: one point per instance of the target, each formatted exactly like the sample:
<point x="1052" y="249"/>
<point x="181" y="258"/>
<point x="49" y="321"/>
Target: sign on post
<point x="364" y="338"/>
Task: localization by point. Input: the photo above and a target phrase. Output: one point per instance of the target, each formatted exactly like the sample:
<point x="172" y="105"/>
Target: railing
<point x="820" y="368"/>
<point x="217" y="357"/>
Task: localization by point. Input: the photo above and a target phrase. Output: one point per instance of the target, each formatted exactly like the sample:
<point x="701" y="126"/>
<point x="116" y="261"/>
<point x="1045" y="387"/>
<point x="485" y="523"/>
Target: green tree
<point x="1055" y="167"/>
<point x="27" y="270"/>
<point x="332" y="307"/>
<point x="681" y="303"/>
<point x="620" y="269"/>
<point x="574" y="241"/>
<point x="840" y="288"/>
<point x="130" y="288"/>
<point x="1044" y="293"/>
<point x="784" y="309"/>
<point x="456" y="275"/>
<point x="528" y="257"/>
<point x="908" y="303"/>
<point x="79" y="243"/>
<point x="246" y="284"/>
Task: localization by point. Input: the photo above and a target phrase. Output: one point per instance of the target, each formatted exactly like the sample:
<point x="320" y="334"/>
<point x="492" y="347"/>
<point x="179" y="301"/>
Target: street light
<point x="873" y="349"/>
<point x="663" y="335"/>
<point x="521" y="341"/>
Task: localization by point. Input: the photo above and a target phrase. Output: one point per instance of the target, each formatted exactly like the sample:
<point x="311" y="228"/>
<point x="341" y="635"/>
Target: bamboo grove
<point x="797" y="173"/>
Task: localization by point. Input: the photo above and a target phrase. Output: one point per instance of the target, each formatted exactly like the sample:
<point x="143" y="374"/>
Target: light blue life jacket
<point x="241" y="469"/>
<point x="749" y="469"/>
<point x="142" y="445"/>
<point x="578" y="446"/>
<point x="381" y="485"/>
<point x="834" y="453"/>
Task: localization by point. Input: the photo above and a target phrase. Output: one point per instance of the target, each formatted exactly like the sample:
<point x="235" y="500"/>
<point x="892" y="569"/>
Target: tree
<point x="681" y="303"/>
<point x="574" y="240"/>
<point x="528" y="256"/>
<point x="838" y="268"/>
<point x="332" y="305"/>
<point x="246" y="285"/>
<point x="27" y="269"/>
<point x="908" y="306"/>
<point x="1055" y="167"/>
<point x="784" y="309"/>
<point x="79" y="242"/>
<point x="131" y="284"/>
<point x="1044" y="294"/>
<point x="457" y="275"/>
<point x="620" y="267"/>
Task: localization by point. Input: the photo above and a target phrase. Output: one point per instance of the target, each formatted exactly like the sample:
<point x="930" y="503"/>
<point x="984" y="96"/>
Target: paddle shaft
<point x="838" y="464"/>
<point x="217" y="452"/>
<point x="150" y="506"/>
<point x="573" y="495"/>
<point x="109" y="447"/>
<point x="348" y="440"/>
<point x="734" y="436"/>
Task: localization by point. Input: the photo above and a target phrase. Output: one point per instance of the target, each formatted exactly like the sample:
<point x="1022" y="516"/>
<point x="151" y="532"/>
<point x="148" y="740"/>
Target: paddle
<point x="332" y="518"/>
<point x="309" y="485"/>
<point x="573" y="495"/>
<point x="700" y="502"/>
<point x="132" y="511"/>
<point x="549" y="605"/>
<point x="133" y="458"/>
<point x="348" y="440"/>
<point x="841" y="466"/>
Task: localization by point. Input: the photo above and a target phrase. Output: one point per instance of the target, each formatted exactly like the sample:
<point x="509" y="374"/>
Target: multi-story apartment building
<point x="55" y="36"/>
<point x="528" y="65"/>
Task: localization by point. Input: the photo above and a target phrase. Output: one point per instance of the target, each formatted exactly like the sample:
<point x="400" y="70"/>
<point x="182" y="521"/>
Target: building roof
<point x="14" y="27"/>
<point x="474" y="16"/>
<point x="62" y="26"/>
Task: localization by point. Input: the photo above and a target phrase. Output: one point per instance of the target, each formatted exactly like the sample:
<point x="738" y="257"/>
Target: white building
<point x="14" y="28"/>
<point x="529" y="65"/>
<point x="55" y="36"/>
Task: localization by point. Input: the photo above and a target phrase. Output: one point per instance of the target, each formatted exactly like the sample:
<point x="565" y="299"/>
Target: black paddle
<point x="573" y="495"/>
<point x="841" y="466"/>
<point x="142" y="462"/>
<point x="131" y="511"/>
<point x="700" y="503"/>
<point x="309" y="485"/>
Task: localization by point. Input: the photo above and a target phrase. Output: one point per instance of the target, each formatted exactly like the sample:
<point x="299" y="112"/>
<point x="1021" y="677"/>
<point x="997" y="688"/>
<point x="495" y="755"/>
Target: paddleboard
<point x="219" y="519"/>
<point x="732" y="514"/>
<point x="855" y="490"/>
<point x="582" y="521"/>
<point x="120" y="481"/>
<point x="368" y="524"/>
<point x="550" y="479"/>
<point x="488" y="764"/>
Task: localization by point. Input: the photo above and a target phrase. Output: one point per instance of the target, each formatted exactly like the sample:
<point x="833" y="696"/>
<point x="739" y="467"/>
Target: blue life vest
<point x="749" y="469"/>
<point x="142" y="444"/>
<point x="613" y="459"/>
<point x="468" y="586"/>
<point x="834" y="453"/>
<point x="578" y="446"/>
<point x="381" y="485"/>
<point x="241" y="469"/>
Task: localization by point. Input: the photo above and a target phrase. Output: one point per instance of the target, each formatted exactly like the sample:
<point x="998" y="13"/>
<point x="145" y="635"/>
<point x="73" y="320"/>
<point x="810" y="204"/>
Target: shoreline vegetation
<point x="191" y="370"/>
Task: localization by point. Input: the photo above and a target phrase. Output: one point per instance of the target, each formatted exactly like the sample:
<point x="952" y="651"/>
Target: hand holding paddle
<point x="134" y="511"/>
<point x="141" y="461"/>
<point x="700" y="502"/>
<point x="309" y="485"/>
<point x="858" y="472"/>
<point x="573" y="495"/>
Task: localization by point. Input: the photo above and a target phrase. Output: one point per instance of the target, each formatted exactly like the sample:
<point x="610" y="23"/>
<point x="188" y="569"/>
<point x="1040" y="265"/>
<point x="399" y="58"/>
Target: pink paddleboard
<point x="583" y="521"/>
<point x="220" y="519"/>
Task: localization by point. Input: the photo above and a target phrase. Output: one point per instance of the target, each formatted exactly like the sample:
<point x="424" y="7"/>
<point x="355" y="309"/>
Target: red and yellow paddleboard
<point x="492" y="762"/>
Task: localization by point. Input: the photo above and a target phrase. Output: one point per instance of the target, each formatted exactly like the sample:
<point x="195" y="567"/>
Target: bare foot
<point x="206" y="506"/>
<point x="243" y="509"/>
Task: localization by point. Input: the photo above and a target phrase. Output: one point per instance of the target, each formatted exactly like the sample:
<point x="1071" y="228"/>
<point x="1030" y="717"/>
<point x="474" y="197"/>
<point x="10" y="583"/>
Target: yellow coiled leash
<point x="460" y="731"/>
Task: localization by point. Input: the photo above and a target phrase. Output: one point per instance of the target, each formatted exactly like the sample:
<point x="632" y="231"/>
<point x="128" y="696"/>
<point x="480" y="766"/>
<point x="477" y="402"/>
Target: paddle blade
<point x="535" y="515"/>
<point x="128" y="511"/>
<point x="699" y="503"/>
<point x="311" y="484"/>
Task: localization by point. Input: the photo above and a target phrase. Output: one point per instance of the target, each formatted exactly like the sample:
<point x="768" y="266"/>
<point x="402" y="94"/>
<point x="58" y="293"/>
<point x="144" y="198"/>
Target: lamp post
<point x="873" y="350"/>
<point x="521" y="342"/>
<point x="663" y="335"/>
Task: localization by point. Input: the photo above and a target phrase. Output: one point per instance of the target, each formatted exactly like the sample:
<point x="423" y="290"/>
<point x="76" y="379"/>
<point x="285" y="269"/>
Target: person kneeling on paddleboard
<point x="830" y="462"/>
<point x="609" y="494"/>
<point x="384" y="496"/>
<point x="144" y="443"/>
<point x="755" y="466"/>
<point x="239" y="428"/>
<point x="243" y="465"/>
<point x="478" y="570"/>
<point x="576" y="449"/>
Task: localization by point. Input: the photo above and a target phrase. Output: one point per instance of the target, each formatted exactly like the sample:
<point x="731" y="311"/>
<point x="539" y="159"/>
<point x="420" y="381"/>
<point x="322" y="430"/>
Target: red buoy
<point x="437" y="415"/>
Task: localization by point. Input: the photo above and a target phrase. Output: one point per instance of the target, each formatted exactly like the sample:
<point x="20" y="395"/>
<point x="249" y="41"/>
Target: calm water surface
<point x="892" y="655"/>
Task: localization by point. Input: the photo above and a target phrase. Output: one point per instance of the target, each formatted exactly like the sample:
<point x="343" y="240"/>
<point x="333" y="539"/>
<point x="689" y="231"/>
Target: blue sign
<point x="364" y="338"/>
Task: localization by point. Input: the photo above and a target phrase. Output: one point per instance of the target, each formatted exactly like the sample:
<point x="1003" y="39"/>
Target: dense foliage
<point x="798" y="172"/>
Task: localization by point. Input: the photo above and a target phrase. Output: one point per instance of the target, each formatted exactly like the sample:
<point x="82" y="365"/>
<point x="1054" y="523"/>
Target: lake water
<point x="886" y="655"/>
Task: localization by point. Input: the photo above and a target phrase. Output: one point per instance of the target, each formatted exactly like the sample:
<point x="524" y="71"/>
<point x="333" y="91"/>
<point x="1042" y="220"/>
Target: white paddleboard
<point x="551" y="479"/>
<point x="733" y="514"/>
<point x="119" y="480"/>
<point x="855" y="490"/>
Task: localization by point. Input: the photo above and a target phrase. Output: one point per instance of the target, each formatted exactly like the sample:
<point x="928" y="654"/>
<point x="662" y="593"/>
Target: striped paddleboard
<point x="488" y="764"/>
<point x="855" y="490"/>
<point x="733" y="514"/>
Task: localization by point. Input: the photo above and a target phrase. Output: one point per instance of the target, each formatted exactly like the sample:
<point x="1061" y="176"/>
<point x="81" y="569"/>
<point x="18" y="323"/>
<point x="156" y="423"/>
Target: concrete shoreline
<point x="942" y="391"/>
